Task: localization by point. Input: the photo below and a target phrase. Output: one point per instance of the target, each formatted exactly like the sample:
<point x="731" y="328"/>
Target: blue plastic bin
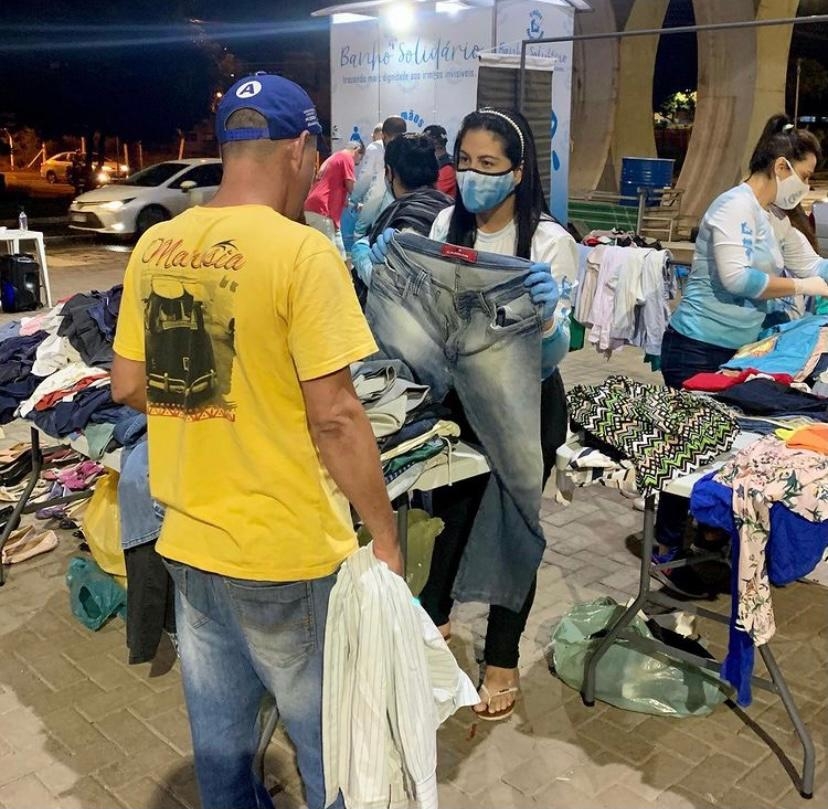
<point x="644" y="172"/>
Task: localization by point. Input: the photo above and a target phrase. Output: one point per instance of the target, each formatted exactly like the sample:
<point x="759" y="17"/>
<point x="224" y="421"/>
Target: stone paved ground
<point x="81" y="728"/>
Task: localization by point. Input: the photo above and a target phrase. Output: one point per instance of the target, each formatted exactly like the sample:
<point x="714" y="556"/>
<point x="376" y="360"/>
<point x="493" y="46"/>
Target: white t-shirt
<point x="551" y="244"/>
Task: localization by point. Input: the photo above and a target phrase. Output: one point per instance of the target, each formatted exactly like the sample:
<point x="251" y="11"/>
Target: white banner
<point x="536" y="20"/>
<point x="428" y="76"/>
<point x="355" y="73"/>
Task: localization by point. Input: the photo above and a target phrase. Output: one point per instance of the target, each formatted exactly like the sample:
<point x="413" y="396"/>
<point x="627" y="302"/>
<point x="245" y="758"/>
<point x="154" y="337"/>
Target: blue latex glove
<point x="554" y="347"/>
<point x="543" y="288"/>
<point x="362" y="261"/>
<point x="379" y="250"/>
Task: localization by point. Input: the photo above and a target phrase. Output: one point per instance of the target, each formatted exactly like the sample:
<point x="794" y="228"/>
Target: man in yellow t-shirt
<point x="235" y="335"/>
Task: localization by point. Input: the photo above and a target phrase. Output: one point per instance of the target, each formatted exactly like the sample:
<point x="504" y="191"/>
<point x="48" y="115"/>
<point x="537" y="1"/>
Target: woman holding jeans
<point x="500" y="208"/>
<point x="745" y="248"/>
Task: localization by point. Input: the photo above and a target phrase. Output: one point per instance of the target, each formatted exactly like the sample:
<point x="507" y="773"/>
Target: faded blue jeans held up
<point x="463" y="320"/>
<point x="241" y="641"/>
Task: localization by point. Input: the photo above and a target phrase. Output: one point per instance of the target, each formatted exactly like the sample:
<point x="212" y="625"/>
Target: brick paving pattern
<point x="79" y="728"/>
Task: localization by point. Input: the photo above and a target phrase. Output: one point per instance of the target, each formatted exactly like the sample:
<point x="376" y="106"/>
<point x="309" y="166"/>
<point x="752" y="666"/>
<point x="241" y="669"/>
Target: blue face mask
<point x="482" y="192"/>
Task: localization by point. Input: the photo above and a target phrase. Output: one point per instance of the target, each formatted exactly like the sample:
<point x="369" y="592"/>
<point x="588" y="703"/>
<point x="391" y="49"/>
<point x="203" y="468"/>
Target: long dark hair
<point x="530" y="201"/>
<point x="780" y="138"/>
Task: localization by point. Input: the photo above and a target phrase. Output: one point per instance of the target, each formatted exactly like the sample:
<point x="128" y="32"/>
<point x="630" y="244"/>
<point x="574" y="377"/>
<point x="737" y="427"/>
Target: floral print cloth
<point x="760" y="475"/>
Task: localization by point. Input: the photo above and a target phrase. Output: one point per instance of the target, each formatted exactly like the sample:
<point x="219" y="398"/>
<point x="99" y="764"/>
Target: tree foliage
<point x="680" y="104"/>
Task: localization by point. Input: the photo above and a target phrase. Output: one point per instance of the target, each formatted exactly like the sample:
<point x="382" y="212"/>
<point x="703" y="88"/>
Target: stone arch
<point x="741" y="82"/>
<point x="633" y="135"/>
<point x="594" y="96"/>
<point x="773" y="44"/>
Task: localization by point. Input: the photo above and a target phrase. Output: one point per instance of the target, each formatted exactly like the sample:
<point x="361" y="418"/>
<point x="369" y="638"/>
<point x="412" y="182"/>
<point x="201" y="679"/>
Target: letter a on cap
<point x="249" y="89"/>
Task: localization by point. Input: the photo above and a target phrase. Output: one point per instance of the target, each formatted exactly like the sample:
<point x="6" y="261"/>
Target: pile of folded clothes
<point x="413" y="434"/>
<point x="781" y="380"/>
<point x="54" y="370"/>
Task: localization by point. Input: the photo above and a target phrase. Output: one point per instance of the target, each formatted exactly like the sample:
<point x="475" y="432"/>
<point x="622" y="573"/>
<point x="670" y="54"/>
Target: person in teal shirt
<point x="748" y="257"/>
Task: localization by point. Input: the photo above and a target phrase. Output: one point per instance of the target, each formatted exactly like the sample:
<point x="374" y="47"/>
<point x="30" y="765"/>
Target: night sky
<point x="85" y="57"/>
<point x="676" y="62"/>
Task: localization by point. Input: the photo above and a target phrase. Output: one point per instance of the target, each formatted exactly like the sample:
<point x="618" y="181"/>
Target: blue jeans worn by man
<point x="240" y="641"/>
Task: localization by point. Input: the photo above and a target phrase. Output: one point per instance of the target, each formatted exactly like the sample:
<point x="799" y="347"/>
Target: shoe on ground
<point x="685" y="580"/>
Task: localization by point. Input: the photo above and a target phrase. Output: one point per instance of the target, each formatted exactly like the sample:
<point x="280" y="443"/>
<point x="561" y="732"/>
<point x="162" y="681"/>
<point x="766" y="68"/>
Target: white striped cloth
<point x="389" y="682"/>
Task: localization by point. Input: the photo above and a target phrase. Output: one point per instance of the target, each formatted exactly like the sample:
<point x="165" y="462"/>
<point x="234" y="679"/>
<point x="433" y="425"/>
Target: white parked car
<point x="153" y="195"/>
<point x="55" y="169"/>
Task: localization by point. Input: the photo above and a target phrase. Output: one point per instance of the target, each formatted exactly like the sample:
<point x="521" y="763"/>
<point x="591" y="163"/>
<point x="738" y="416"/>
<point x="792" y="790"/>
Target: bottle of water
<point x="23" y="220"/>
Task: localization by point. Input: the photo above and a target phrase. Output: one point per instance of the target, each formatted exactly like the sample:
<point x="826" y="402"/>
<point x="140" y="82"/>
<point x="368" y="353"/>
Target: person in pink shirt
<point x="329" y="195"/>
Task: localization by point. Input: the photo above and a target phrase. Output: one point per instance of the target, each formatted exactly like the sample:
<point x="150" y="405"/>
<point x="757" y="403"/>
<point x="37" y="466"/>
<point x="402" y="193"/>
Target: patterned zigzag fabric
<point x="663" y="432"/>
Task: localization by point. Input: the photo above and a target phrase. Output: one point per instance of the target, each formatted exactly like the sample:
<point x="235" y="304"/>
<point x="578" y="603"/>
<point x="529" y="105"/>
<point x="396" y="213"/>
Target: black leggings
<point x="457" y="506"/>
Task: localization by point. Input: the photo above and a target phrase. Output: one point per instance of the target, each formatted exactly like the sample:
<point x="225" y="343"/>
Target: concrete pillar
<point x="633" y="133"/>
<point x="773" y="45"/>
<point x="594" y="96"/>
<point x="727" y="77"/>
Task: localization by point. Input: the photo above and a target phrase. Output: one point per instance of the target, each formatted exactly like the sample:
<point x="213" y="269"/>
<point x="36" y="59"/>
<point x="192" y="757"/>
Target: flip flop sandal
<point x="11" y="494"/>
<point x="12" y="474"/>
<point x="76" y="509"/>
<point x="50" y="513"/>
<point x="16" y="537"/>
<point x="60" y="454"/>
<point x="13" y="452"/>
<point x="53" y="491"/>
<point x="30" y="547"/>
<point x="56" y="512"/>
<point x="81" y="476"/>
<point x="496" y="716"/>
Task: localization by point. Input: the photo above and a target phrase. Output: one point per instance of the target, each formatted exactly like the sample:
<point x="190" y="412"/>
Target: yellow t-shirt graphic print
<point x="229" y="309"/>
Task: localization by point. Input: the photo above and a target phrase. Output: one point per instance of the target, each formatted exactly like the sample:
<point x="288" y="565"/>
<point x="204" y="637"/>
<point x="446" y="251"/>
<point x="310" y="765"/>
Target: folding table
<point x="683" y="487"/>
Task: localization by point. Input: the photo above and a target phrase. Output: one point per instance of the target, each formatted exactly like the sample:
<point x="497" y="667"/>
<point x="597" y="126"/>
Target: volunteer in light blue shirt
<point x="747" y="255"/>
<point x="745" y="249"/>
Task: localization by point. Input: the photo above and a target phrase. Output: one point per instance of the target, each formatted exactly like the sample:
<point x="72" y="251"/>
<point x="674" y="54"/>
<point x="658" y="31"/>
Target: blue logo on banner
<point x="411" y="117"/>
<point x="355" y="136"/>
<point x="553" y="128"/>
<point x="535" y="31"/>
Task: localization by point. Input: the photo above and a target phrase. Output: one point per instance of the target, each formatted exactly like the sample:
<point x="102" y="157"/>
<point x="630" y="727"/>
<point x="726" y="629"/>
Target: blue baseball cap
<point x="287" y="108"/>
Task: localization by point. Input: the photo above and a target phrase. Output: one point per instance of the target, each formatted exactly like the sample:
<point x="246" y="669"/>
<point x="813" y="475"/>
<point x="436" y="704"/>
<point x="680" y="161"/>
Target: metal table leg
<point x="588" y="689"/>
<point x="777" y="683"/>
<point x="14" y="519"/>
<point x="806" y="788"/>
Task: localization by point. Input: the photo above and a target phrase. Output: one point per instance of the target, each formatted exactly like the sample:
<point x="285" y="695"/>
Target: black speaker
<point x="19" y="283"/>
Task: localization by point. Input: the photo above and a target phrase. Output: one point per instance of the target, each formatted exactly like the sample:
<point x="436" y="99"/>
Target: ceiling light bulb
<point x="399" y="17"/>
